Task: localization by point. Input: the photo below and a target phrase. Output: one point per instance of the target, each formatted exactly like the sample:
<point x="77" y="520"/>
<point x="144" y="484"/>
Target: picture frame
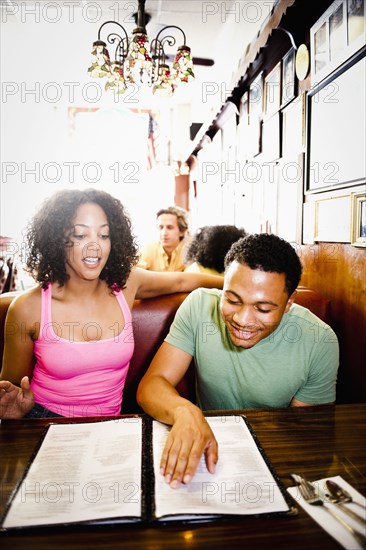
<point x="320" y="49"/>
<point x="356" y="21"/>
<point x="271" y="142"/>
<point x="244" y="108"/>
<point x="308" y="222"/>
<point x="331" y="223"/>
<point x="358" y="219"/>
<point x="255" y="114"/>
<point x="338" y="34"/>
<point x="293" y="127"/>
<point x="288" y="77"/>
<point x="272" y="91"/>
<point x="335" y="128"/>
<point x="290" y="191"/>
<point x="243" y="128"/>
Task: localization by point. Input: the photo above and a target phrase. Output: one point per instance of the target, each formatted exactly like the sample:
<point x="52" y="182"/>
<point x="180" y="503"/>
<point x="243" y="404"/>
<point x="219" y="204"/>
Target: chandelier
<point x="138" y="62"/>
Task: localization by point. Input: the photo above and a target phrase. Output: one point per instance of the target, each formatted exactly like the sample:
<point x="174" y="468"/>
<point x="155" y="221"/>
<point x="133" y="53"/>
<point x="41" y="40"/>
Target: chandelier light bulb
<point x="164" y="86"/>
<point x="183" y="65"/>
<point x="100" y="60"/>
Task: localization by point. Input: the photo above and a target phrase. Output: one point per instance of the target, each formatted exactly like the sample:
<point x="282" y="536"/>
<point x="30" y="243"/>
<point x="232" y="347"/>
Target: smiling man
<point x="252" y="346"/>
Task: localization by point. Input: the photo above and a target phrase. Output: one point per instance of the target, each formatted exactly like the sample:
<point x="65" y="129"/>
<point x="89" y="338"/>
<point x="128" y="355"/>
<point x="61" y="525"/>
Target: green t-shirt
<point x="299" y="359"/>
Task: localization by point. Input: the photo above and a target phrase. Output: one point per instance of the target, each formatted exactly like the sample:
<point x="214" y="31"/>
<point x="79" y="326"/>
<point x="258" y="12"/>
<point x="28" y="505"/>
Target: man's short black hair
<point x="267" y="253"/>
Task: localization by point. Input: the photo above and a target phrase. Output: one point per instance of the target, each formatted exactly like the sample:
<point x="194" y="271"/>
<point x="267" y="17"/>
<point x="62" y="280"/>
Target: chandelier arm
<point x="123" y="41"/>
<point x="157" y="45"/>
<point x="158" y="55"/>
<point x="171" y="27"/>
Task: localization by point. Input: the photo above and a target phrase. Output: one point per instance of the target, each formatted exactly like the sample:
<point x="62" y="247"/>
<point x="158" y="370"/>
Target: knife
<point x="340" y="494"/>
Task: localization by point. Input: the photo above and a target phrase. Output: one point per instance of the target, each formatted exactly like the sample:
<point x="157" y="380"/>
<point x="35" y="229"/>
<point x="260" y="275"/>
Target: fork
<point x="308" y="493"/>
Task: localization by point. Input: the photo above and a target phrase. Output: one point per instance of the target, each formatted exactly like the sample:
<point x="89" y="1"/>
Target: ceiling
<point x="51" y="42"/>
<point x="214" y="30"/>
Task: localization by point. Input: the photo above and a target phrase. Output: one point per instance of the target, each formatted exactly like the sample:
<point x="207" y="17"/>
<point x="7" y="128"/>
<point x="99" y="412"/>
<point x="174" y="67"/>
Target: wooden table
<point x="315" y="441"/>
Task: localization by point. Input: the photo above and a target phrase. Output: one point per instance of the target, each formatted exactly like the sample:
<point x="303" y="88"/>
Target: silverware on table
<point x="310" y="495"/>
<point x="340" y="495"/>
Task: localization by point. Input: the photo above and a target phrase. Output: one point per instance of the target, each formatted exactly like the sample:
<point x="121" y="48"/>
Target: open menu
<point x="108" y="472"/>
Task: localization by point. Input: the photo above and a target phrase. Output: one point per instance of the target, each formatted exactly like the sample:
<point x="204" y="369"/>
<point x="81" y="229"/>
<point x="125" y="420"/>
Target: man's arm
<point x="297" y="403"/>
<point x="190" y="435"/>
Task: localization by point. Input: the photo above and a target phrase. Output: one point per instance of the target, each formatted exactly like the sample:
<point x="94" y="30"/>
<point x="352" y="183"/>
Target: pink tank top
<point x="81" y="378"/>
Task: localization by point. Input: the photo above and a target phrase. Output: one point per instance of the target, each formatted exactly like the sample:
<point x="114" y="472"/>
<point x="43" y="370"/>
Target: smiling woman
<point x="77" y="340"/>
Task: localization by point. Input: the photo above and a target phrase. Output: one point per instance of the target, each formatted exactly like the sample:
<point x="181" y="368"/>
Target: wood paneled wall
<point x="338" y="271"/>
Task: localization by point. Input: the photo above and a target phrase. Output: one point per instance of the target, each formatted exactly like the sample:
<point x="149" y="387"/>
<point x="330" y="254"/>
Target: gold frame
<point x="358" y="213"/>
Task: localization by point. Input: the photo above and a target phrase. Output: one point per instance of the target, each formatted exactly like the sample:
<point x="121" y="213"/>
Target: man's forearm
<point x="161" y="400"/>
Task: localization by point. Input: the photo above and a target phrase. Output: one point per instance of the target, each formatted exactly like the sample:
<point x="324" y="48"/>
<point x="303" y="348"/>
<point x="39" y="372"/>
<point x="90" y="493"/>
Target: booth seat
<point x="151" y="320"/>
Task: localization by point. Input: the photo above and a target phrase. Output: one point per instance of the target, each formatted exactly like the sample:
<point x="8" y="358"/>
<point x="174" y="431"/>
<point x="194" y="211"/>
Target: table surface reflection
<point x="315" y="441"/>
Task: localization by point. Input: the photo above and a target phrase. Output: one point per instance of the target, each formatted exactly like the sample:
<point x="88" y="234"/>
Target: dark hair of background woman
<point x="47" y="237"/>
<point x="211" y="243"/>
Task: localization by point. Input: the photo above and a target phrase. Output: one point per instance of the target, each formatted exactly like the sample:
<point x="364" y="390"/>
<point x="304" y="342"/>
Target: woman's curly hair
<point x="211" y="243"/>
<point x="268" y="253"/>
<point x="47" y="238"/>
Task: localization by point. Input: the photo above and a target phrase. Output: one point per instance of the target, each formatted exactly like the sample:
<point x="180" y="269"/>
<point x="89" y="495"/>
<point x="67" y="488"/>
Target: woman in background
<point x="69" y="340"/>
<point x="207" y="251"/>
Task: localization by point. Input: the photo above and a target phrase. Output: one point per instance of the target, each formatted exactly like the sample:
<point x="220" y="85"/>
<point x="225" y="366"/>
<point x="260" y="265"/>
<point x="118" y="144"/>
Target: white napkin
<point x="327" y="521"/>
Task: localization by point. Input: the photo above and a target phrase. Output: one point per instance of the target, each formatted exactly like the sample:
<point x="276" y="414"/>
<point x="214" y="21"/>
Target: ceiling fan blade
<point x="204" y="61"/>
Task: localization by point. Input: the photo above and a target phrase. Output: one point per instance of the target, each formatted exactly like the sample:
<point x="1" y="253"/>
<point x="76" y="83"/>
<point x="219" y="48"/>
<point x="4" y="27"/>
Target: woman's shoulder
<point x="27" y="303"/>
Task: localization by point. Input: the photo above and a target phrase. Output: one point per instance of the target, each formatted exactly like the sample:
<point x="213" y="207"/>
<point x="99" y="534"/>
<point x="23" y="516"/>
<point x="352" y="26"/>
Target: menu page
<point x="242" y="483"/>
<point x="82" y="472"/>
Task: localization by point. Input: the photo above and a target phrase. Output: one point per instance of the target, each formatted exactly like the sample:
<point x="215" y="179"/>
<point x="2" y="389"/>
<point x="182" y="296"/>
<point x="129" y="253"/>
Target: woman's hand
<point x="15" y="402"/>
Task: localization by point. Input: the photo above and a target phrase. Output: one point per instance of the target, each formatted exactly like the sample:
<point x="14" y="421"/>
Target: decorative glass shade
<point x="164" y="86"/>
<point x="138" y="60"/>
<point x="116" y="81"/>
<point x="100" y="61"/>
<point x="183" y="66"/>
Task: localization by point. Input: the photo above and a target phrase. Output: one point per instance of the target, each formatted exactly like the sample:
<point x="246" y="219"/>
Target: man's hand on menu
<point x="189" y="437"/>
<point x="15" y="401"/>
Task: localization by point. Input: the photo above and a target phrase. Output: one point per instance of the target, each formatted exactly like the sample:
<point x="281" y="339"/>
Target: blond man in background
<point x="167" y="253"/>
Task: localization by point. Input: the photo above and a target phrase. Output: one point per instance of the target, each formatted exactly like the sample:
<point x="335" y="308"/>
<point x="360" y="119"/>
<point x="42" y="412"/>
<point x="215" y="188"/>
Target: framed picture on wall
<point x="293" y="127"/>
<point x="320" y="49"/>
<point x="336" y="131"/>
<point x="355" y="21"/>
<point x="272" y="91"/>
<point x="244" y="108"/>
<point x="255" y="113"/>
<point x="358" y="219"/>
<point x="271" y="143"/>
<point x="290" y="191"/>
<point x="288" y="77"/>
<point x="338" y="34"/>
<point x="243" y="129"/>
<point x="331" y="223"/>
